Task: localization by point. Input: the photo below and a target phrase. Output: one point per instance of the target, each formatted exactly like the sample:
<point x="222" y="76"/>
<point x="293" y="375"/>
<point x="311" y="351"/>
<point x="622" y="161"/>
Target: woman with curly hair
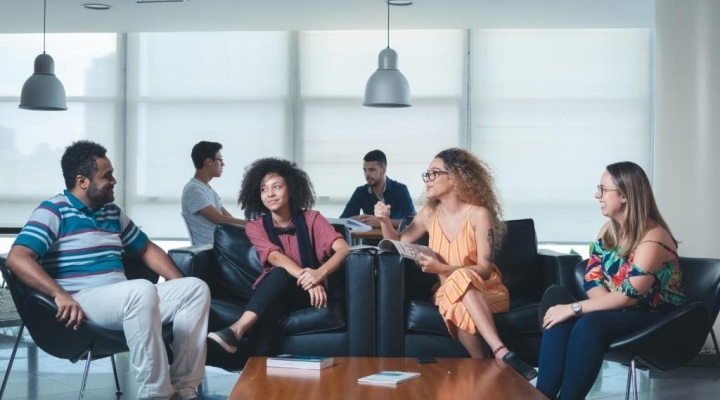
<point x="297" y="246"/>
<point x="462" y="217"/>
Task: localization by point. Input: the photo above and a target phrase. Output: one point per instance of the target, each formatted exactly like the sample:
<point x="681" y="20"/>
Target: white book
<point x="351" y="224"/>
<point x="301" y="362"/>
<point x="388" y="378"/>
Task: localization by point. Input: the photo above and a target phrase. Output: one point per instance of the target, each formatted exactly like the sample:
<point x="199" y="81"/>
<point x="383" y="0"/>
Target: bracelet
<point x="502" y="346"/>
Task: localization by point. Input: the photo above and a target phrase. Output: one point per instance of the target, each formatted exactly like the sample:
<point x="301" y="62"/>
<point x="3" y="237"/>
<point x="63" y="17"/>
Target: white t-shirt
<point x="196" y="196"/>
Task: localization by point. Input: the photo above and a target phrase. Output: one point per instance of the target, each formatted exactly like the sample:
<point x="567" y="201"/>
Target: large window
<point x="552" y="108"/>
<point x="228" y="87"/>
<point x="336" y="131"/>
<point x="32" y="142"/>
<point x="547" y="109"/>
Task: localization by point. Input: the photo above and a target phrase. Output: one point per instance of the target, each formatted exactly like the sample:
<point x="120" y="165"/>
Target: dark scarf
<point x="308" y="258"/>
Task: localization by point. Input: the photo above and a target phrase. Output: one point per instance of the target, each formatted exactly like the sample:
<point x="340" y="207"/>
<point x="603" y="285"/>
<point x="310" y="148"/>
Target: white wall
<point x="687" y="123"/>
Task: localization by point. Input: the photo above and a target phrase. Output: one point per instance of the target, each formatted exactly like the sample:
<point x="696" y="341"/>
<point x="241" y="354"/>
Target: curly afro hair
<point x="474" y="184"/>
<point x="300" y="189"/>
<point x="79" y="159"/>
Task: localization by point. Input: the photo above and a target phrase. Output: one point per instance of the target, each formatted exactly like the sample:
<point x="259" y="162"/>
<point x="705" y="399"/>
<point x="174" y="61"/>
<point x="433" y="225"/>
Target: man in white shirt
<point x="201" y="205"/>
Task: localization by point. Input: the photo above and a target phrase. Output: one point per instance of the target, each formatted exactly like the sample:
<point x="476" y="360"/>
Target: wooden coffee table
<point x="449" y="378"/>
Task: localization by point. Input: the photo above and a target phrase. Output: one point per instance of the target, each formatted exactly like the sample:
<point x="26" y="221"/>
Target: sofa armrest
<point x="391" y="299"/>
<point x="195" y="261"/>
<point x="360" y="278"/>
<point x="558" y="269"/>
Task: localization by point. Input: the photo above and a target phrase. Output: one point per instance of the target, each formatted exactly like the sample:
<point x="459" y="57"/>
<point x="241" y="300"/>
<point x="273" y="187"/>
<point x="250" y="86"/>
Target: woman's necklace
<point x="279" y="225"/>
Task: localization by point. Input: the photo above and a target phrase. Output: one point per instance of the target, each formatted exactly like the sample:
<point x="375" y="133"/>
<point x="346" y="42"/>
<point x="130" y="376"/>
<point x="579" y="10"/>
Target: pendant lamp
<point x="43" y="90"/>
<point x="387" y="87"/>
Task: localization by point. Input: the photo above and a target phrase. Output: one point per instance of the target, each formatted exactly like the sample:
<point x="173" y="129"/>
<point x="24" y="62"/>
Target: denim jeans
<point x="571" y="353"/>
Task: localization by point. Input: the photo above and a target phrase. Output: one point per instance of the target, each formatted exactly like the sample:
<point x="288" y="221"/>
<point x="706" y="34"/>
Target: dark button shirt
<point x="396" y="195"/>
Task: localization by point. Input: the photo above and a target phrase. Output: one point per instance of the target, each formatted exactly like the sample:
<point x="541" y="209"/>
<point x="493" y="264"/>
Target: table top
<point x="449" y="378"/>
<point x="374" y="233"/>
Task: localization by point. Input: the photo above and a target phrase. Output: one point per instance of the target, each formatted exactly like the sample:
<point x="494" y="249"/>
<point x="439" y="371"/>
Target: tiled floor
<point x="37" y="375"/>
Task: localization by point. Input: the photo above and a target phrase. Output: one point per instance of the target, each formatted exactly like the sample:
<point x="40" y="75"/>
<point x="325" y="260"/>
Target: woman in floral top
<point x="632" y="279"/>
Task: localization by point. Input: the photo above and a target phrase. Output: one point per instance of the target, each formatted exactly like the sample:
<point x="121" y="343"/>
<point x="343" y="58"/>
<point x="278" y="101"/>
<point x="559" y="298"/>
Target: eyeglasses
<point x="218" y="159"/>
<point x="602" y="189"/>
<point x="432" y="175"/>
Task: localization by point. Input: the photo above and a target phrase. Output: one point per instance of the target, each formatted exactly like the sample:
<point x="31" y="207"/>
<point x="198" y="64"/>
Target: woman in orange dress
<point x="462" y="219"/>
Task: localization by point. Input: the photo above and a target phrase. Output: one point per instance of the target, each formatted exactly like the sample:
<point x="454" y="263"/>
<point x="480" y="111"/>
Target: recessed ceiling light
<point x="97" y="6"/>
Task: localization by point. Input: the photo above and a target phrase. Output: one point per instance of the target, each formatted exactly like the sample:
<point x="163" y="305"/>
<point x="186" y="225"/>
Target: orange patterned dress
<point x="462" y="251"/>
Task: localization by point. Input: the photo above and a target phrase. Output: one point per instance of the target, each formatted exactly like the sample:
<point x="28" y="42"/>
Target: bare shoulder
<point x="659" y="234"/>
<point x="425" y="214"/>
<point x="481" y="217"/>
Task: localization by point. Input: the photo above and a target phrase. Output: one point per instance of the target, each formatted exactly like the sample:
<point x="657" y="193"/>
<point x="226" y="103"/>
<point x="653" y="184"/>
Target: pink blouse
<point x="322" y="235"/>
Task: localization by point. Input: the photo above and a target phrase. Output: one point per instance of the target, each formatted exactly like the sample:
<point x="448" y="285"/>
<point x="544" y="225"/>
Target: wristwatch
<point x="576" y="308"/>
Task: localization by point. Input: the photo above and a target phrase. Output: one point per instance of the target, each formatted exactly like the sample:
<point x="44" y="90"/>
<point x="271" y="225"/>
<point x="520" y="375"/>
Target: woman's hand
<point x="310" y="278"/>
<point x="318" y="296"/>
<point x="432" y="266"/>
<point x="557" y="314"/>
<point x="382" y="211"/>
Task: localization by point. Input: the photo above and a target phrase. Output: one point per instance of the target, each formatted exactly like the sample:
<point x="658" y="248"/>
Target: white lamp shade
<point x="43" y="90"/>
<point x="387" y="87"/>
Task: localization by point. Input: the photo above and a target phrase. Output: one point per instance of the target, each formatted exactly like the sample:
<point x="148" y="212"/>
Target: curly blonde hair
<point x="474" y="184"/>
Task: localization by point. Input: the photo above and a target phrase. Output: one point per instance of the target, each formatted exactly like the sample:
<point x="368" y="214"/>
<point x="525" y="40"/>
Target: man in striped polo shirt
<point x="70" y="249"/>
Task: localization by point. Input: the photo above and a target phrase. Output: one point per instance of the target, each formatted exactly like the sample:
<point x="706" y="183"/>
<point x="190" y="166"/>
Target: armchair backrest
<point x="517" y="261"/>
<point x="701" y="282"/>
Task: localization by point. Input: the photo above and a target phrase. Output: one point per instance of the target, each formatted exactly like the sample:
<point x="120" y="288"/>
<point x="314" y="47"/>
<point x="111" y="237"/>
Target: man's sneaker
<point x="523" y="368"/>
<point x="226" y="339"/>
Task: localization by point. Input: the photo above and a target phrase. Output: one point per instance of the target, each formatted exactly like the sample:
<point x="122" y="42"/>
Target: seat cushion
<point x="223" y="313"/>
<point x="314" y="320"/>
<point x="423" y="317"/>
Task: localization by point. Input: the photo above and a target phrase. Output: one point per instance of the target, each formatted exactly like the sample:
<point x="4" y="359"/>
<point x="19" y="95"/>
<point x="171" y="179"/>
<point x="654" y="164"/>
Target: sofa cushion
<point x="313" y="320"/>
<point x="423" y="317"/>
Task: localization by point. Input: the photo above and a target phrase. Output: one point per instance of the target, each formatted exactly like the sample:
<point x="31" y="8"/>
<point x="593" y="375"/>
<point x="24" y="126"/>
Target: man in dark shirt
<point x="379" y="187"/>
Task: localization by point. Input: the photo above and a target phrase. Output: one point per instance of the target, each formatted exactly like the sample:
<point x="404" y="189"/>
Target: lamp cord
<point x="44" y="14"/>
<point x="388" y="24"/>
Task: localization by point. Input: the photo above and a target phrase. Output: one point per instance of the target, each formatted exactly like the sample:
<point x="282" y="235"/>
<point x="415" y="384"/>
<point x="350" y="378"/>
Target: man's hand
<point x="382" y="211"/>
<point x="368" y="220"/>
<point x="318" y="296"/>
<point x="310" y="278"/>
<point x="69" y="311"/>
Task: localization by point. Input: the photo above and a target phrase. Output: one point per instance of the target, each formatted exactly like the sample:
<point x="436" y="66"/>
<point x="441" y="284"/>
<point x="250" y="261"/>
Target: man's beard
<point x="101" y="197"/>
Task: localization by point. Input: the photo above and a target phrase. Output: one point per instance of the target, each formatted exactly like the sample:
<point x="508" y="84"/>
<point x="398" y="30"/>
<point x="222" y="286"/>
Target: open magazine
<point x="407" y="250"/>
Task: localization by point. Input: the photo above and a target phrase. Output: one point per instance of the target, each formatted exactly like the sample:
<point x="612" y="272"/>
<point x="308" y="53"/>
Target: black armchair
<point x="90" y="342"/>
<point x="409" y="324"/>
<point x="231" y="265"/>
<point x="692" y="322"/>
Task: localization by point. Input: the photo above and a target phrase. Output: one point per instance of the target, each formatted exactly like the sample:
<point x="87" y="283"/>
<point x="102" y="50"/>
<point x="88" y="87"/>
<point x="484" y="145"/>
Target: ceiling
<point x="25" y="16"/>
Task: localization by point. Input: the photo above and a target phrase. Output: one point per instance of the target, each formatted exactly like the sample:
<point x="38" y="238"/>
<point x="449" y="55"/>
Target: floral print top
<point x="607" y="269"/>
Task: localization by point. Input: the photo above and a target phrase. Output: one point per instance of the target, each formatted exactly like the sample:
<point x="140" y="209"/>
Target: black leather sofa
<point x="231" y="265"/>
<point x="409" y="324"/>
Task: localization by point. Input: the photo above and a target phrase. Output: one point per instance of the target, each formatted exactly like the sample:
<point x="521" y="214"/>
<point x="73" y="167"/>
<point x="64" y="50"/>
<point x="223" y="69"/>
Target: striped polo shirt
<point x="79" y="247"/>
